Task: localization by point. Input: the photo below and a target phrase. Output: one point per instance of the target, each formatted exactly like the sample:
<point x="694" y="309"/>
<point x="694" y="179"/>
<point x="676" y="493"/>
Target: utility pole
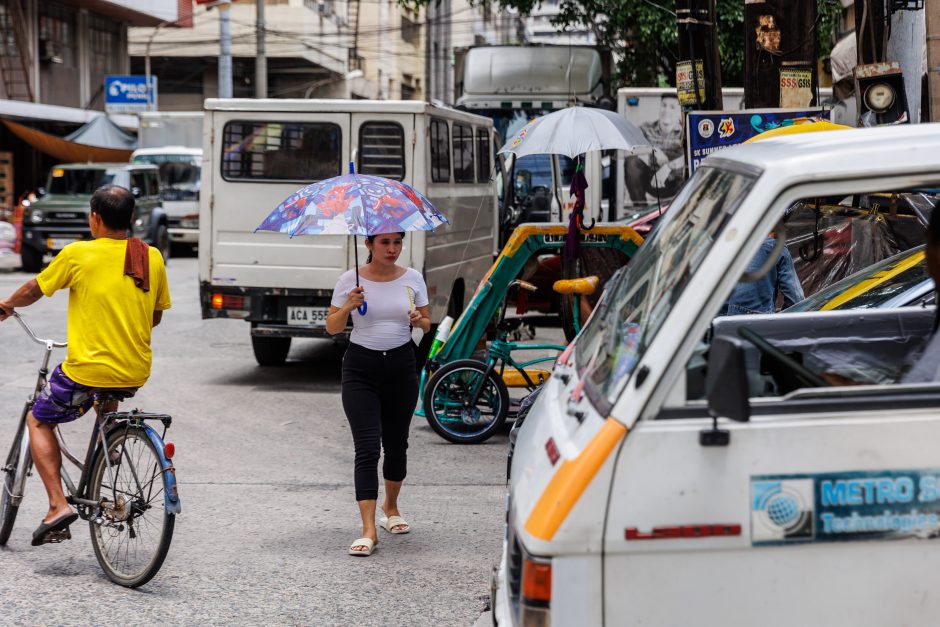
<point x="932" y="9"/>
<point x="261" y="61"/>
<point x="780" y="54"/>
<point x="698" y="70"/>
<point x="225" y="51"/>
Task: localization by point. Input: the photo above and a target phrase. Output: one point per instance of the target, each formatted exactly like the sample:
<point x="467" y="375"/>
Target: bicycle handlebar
<point x="34" y="337"/>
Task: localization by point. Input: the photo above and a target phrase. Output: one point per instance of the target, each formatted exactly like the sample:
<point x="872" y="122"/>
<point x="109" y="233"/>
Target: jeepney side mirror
<point x="726" y="388"/>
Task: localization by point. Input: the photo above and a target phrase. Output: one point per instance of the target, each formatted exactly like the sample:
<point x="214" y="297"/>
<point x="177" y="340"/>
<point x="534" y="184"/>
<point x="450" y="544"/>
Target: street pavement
<point x="264" y="459"/>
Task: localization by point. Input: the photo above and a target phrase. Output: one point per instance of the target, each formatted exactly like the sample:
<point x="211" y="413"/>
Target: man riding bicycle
<point x="117" y="293"/>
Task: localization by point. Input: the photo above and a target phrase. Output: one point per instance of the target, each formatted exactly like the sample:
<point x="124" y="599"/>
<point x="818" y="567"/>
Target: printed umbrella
<point x="354" y="204"/>
<point x="575" y="131"/>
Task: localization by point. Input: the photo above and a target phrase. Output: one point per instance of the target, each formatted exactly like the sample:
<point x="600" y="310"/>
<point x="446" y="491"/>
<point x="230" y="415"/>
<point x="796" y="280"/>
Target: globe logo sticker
<point x="782" y="511"/>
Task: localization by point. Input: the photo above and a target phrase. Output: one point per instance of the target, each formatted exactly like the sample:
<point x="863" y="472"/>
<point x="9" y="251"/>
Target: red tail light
<point x="169" y="450"/>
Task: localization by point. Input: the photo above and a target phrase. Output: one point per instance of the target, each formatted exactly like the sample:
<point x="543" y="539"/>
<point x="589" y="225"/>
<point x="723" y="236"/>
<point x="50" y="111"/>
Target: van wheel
<point x="270" y="351"/>
<point x="31" y="258"/>
<point x="162" y="241"/>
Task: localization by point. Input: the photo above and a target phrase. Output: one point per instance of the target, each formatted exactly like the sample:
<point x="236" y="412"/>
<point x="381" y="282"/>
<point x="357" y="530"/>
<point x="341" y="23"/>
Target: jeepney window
<point x="483" y="155"/>
<point x="613" y="343"/>
<point x="382" y="150"/>
<point x="463" y="154"/>
<point x="440" y="151"/>
<point x="281" y="151"/>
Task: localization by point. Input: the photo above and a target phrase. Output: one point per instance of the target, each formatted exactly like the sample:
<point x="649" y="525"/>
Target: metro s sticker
<point x="837" y="507"/>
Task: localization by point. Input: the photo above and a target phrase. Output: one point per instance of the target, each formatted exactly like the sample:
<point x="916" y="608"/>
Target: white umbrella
<point x="575" y="131"/>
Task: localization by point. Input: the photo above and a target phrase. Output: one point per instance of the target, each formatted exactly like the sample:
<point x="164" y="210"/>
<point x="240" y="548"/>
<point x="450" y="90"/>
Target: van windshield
<point x="179" y="175"/>
<point x="74" y="182"/>
<point x="615" y="340"/>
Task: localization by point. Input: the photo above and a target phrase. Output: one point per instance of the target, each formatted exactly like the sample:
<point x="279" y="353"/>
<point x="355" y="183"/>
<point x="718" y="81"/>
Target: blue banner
<point x="835" y="507"/>
<point x="710" y="131"/>
<point x="129" y="93"/>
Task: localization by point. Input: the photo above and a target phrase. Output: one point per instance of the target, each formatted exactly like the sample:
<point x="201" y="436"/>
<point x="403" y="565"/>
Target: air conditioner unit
<point x="49" y="51"/>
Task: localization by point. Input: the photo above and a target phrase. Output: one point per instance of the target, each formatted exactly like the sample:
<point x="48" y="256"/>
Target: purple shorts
<point x="62" y="400"/>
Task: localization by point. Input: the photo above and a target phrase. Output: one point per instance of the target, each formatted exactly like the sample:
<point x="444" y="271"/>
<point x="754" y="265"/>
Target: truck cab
<point x="60" y="216"/>
<point x="682" y="469"/>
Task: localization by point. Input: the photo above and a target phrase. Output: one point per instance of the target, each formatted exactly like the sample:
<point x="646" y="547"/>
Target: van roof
<point x="104" y="166"/>
<point x="854" y="153"/>
<point x="168" y="150"/>
<point x="330" y="105"/>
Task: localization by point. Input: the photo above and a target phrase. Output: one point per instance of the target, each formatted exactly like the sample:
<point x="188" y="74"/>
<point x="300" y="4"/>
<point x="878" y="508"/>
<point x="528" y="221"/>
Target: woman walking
<point x="380" y="384"/>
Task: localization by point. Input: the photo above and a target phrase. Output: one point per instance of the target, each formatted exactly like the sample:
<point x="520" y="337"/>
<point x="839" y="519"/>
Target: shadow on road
<point x="312" y="366"/>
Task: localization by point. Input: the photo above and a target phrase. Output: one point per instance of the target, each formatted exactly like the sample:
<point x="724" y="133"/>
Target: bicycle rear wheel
<point x="132" y="534"/>
<point x="448" y="390"/>
<point x="13" y="466"/>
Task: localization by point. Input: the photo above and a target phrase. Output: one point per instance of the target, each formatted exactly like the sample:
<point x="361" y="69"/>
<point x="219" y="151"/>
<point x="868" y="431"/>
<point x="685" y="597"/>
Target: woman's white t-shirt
<point x="385" y="325"/>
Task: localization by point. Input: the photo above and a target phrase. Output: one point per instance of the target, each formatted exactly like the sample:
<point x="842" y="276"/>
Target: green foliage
<point x="643" y="34"/>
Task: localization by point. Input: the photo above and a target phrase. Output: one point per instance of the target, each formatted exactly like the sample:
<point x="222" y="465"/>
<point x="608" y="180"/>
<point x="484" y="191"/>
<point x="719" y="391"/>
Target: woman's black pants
<point x="380" y="391"/>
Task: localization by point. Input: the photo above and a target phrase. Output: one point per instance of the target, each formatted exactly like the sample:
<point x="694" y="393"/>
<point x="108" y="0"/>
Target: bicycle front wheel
<point x="446" y="396"/>
<point x="11" y="470"/>
<point x="131" y="535"/>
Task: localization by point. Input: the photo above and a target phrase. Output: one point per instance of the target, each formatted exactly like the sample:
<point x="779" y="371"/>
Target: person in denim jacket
<point x="760" y="297"/>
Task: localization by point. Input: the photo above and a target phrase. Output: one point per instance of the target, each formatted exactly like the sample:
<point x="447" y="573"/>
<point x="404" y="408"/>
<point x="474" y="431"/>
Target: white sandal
<point x="366" y="542"/>
<point x="388" y="523"/>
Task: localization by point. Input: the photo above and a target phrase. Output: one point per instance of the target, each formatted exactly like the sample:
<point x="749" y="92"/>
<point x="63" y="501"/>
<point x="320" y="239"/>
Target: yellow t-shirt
<point x="110" y="318"/>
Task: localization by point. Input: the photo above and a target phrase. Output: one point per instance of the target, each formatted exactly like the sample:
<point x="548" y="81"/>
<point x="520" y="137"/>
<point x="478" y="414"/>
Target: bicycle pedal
<point x="55" y="537"/>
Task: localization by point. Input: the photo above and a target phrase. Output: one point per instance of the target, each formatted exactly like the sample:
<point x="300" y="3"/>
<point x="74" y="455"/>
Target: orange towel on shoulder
<point x="137" y="262"/>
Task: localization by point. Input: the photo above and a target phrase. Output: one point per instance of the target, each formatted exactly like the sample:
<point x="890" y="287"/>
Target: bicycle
<point x="128" y="496"/>
<point x="466" y="401"/>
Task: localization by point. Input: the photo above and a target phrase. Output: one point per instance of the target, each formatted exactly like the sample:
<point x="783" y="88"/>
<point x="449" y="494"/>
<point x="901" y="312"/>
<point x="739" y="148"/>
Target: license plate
<point x="58" y="243"/>
<point x="307" y="316"/>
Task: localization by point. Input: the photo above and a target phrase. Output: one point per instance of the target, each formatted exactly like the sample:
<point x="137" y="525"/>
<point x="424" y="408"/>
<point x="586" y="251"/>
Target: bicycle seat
<point x="583" y="286"/>
<point x="114" y="394"/>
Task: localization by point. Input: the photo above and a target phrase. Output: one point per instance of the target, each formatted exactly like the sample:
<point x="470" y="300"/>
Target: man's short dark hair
<point x="115" y="205"/>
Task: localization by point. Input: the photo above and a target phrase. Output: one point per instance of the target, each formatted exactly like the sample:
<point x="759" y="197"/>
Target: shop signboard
<point x="710" y="131"/>
<point x="130" y="93"/>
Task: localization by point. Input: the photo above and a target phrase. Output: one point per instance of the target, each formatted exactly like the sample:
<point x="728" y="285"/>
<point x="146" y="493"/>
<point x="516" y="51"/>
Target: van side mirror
<point x="726" y="388"/>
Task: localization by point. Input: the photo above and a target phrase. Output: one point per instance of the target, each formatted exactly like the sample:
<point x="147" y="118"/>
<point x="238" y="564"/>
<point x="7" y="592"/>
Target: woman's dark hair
<point x="115" y="205"/>
<point x="371" y="240"/>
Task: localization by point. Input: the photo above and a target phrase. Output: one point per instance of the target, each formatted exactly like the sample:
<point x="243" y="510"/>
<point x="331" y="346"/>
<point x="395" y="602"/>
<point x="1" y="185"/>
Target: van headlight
<point x="536" y="593"/>
<point x="142" y="222"/>
<point x="35" y="216"/>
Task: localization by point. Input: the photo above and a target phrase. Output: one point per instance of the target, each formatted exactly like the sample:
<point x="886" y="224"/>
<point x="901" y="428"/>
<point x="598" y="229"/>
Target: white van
<point x="680" y="469"/>
<point x="256" y="153"/>
<point x="179" y="188"/>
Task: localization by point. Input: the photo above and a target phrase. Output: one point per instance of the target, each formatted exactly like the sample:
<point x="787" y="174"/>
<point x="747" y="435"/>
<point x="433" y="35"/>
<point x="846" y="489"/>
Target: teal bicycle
<point x="466" y="401"/>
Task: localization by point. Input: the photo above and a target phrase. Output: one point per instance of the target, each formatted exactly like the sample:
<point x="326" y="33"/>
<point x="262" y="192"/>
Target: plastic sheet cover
<point x="851" y="238"/>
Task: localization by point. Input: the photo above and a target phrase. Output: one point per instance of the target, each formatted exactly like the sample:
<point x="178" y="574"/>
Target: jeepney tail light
<point x="230" y="301"/>
<point x="536" y="593"/>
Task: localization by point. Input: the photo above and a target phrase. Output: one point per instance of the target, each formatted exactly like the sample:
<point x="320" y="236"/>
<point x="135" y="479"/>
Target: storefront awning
<point x="65" y="150"/>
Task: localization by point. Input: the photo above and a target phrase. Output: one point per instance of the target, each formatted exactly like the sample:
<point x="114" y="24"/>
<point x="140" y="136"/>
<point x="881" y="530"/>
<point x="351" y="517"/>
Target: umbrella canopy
<point x="353" y="204"/>
<point x="575" y="131"/>
<point x="809" y="126"/>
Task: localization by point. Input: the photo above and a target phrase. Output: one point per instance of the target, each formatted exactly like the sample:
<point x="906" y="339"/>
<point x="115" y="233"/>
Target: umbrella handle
<point x="363" y="308"/>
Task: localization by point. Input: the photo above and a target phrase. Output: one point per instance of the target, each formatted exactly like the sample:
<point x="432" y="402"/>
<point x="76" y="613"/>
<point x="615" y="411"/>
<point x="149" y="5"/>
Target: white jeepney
<point x="681" y="469"/>
<point x="256" y="153"/>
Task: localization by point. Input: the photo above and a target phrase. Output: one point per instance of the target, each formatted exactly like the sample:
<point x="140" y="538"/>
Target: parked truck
<point x="173" y="142"/>
<point x="258" y="152"/>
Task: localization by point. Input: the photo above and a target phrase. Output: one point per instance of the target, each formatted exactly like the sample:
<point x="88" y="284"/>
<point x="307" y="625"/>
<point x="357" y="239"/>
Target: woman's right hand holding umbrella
<point x="355" y="300"/>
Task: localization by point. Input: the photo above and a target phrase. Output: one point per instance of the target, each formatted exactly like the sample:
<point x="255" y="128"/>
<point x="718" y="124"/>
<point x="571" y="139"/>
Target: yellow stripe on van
<point x="878" y="279"/>
<point x="570" y="481"/>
